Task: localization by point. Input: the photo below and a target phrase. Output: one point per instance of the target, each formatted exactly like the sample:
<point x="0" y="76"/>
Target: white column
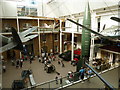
<point x="20" y="54"/>
<point x="111" y="58"/>
<point x="93" y="27"/>
<point x="39" y="37"/>
<point x="18" y="30"/>
<point x="72" y="56"/>
<point x="60" y="36"/>
<point x="91" y="50"/>
<point x="18" y="25"/>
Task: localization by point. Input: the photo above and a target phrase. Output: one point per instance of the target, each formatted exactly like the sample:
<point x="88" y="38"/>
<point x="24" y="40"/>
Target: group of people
<point x="45" y="58"/>
<point x="48" y="58"/>
<point x="19" y="63"/>
<point x="85" y="72"/>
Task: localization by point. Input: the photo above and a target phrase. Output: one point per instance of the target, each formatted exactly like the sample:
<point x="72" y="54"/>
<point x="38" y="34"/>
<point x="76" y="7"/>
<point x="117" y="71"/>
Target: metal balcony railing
<point x="63" y="82"/>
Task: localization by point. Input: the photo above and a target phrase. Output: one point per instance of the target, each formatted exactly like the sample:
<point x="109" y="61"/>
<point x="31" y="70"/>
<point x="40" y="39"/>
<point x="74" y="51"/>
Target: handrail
<point x="75" y="73"/>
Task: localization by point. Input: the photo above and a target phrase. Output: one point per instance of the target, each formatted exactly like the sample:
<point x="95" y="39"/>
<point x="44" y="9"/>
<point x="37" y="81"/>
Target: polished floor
<point x="41" y="76"/>
<point x="38" y="71"/>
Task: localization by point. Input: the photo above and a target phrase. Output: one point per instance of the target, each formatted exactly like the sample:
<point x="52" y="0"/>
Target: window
<point x="27" y="7"/>
<point x="6" y="27"/>
<point x="56" y="37"/>
<point x="43" y="37"/>
<point x="56" y="49"/>
<point x="65" y="37"/>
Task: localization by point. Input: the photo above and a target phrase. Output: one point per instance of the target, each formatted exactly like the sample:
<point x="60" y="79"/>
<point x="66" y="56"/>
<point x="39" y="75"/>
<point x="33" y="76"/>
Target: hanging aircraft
<point x="109" y="36"/>
<point x="17" y="39"/>
<point x="96" y="33"/>
<point x="103" y="39"/>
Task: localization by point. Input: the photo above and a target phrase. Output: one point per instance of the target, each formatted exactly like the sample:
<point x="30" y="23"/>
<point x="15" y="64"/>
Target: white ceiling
<point x="68" y="7"/>
<point x="57" y="8"/>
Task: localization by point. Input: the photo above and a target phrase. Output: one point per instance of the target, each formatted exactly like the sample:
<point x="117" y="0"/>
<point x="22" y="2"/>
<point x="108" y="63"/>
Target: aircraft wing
<point x="26" y="32"/>
<point x="8" y="47"/>
<point x="4" y="39"/>
<point x="25" y="39"/>
<point x="115" y="19"/>
<point x="92" y="31"/>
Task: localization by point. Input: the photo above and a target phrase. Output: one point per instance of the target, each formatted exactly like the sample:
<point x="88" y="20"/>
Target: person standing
<point x="56" y="78"/>
<point x="61" y="80"/>
<point x="62" y="63"/>
<point x="17" y="63"/>
<point x="89" y="73"/>
<point x="58" y="61"/>
<point x="4" y="68"/>
<point x="39" y="58"/>
<point x="82" y="71"/>
<point x="30" y="60"/>
<point x="21" y="62"/>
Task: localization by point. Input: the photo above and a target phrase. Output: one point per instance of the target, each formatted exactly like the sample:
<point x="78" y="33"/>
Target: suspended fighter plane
<point x="96" y="33"/>
<point x="104" y="39"/>
<point x="17" y="39"/>
<point x="112" y="32"/>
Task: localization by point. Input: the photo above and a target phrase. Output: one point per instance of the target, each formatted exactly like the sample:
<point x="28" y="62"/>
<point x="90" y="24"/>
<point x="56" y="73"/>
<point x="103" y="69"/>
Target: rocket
<point x="85" y="33"/>
<point x="86" y="38"/>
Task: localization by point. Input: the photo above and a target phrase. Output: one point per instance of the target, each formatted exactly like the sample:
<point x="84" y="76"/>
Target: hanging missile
<point x="85" y="33"/>
<point x="85" y="38"/>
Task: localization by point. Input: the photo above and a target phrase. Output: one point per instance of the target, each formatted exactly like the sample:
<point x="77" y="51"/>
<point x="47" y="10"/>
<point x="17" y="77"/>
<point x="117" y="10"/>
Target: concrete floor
<point x="38" y="71"/>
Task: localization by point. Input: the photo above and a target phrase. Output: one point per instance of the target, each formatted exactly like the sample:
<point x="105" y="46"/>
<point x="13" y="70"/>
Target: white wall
<point x="0" y="8"/>
<point x="73" y="27"/>
<point x="59" y="7"/>
<point x="9" y="8"/>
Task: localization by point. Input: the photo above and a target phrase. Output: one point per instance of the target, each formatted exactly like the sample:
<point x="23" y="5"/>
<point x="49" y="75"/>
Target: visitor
<point x="4" y="68"/>
<point x="30" y="60"/>
<point x="21" y="62"/>
<point x="81" y="71"/>
<point x="17" y="63"/>
<point x="70" y="76"/>
<point x="62" y="63"/>
<point x="56" y="78"/>
<point x="89" y="74"/>
<point x="58" y="61"/>
<point x="39" y="58"/>
<point x="60" y="79"/>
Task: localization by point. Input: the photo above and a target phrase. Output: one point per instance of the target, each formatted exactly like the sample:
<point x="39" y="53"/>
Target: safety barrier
<point x="66" y="81"/>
